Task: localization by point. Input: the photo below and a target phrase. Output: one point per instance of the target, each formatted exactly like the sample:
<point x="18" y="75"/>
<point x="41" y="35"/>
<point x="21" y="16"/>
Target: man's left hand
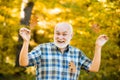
<point x="101" y="40"/>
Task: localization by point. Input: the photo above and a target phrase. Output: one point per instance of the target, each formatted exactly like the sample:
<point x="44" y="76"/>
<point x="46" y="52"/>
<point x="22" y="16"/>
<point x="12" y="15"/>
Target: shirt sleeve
<point x="84" y="61"/>
<point x="34" y="56"/>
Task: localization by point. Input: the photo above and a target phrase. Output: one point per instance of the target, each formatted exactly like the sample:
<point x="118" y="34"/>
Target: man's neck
<point x="62" y="50"/>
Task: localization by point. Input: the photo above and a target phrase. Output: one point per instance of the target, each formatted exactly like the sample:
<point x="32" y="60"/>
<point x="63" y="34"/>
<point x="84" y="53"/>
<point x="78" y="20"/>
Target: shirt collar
<point x="66" y="49"/>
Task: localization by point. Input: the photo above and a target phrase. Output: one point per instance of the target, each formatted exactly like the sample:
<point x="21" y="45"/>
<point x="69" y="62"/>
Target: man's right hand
<point x="25" y="34"/>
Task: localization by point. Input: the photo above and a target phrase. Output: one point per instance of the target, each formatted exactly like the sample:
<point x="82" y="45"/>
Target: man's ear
<point x="71" y="35"/>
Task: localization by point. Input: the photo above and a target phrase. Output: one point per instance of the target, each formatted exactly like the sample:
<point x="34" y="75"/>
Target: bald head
<point x="65" y="25"/>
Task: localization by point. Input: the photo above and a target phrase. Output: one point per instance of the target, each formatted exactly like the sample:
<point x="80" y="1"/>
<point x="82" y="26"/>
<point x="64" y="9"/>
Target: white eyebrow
<point x="63" y="32"/>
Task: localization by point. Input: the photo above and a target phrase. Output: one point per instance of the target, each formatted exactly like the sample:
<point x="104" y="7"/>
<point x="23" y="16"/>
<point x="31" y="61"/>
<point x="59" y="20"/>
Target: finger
<point x="103" y="36"/>
<point x="106" y="37"/>
<point x="21" y="30"/>
<point x="24" y="30"/>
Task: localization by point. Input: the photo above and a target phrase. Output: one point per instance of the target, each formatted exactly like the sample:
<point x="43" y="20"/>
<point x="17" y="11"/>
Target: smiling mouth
<point x="60" y="41"/>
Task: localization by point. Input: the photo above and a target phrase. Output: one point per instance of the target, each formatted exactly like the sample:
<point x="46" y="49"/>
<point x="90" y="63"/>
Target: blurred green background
<point x="89" y="18"/>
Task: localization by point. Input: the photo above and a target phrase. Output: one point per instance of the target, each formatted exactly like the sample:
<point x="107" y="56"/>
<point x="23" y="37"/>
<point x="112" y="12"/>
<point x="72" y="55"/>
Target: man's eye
<point x="57" y="33"/>
<point x="64" y="34"/>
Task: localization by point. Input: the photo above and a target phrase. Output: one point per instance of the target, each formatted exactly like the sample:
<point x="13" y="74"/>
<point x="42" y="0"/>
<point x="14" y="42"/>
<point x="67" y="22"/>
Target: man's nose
<point x="60" y="36"/>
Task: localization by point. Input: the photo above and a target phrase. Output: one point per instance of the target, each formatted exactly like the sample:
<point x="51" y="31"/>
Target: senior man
<point x="59" y="60"/>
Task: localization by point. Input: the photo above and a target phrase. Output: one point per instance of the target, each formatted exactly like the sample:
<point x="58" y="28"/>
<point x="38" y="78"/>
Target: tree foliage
<point x="89" y="18"/>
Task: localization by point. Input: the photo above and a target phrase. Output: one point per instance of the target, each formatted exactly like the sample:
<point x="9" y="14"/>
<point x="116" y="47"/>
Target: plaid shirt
<point x="51" y="64"/>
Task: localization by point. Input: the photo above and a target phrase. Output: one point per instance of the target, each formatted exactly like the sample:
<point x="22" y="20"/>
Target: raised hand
<point x="25" y="34"/>
<point x="101" y="40"/>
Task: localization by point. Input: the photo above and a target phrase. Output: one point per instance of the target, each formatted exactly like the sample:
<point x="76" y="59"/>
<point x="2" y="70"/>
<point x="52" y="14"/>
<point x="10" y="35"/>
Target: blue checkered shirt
<point x="51" y="64"/>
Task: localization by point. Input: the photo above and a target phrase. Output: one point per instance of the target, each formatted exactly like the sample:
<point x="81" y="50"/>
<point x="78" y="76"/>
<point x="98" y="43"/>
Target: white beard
<point x="61" y="45"/>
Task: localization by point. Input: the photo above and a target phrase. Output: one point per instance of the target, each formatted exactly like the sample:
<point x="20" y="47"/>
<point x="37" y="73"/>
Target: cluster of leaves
<point x="89" y="18"/>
